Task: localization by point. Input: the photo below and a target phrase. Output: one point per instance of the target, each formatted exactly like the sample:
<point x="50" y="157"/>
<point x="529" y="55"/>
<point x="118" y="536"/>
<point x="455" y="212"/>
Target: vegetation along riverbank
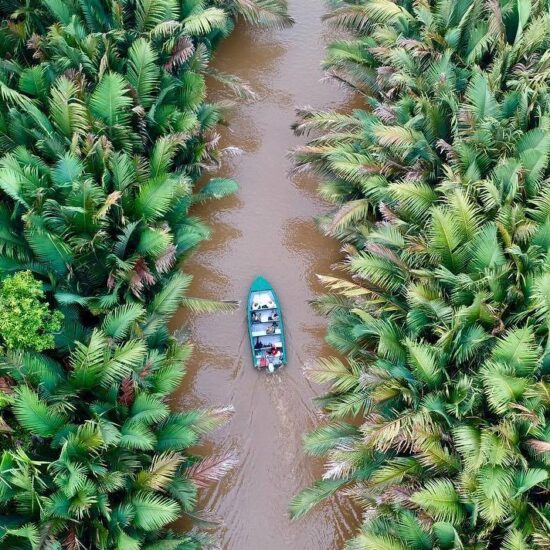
<point x="442" y="310"/>
<point x="436" y="420"/>
<point x="105" y="129"/>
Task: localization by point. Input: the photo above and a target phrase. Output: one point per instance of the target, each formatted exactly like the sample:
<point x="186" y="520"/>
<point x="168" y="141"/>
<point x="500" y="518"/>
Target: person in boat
<point x="275" y="316"/>
<point x="273" y="351"/>
<point x="256" y="318"/>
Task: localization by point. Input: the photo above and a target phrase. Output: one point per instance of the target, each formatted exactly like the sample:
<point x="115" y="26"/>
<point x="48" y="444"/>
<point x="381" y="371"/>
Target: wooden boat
<point x="265" y="327"/>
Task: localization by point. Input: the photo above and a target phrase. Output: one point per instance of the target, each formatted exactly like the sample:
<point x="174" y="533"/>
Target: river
<point x="266" y="228"/>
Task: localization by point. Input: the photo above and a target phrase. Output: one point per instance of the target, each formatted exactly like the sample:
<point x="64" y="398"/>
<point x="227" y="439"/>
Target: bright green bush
<point x="26" y="321"/>
<point x="441" y="187"/>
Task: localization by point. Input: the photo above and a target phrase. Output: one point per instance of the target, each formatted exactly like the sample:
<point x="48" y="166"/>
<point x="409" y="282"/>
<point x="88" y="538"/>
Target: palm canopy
<point x="440" y="187"/>
<point x="103" y="140"/>
<point x="112" y="468"/>
<point x="105" y="131"/>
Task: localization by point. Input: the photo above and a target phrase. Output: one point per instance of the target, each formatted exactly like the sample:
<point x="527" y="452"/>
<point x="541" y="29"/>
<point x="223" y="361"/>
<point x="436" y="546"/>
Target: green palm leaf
<point x="205" y="21"/>
<point x="125" y="358"/>
<point x="35" y="415"/>
<point x="325" y="438"/>
<point x="440" y="500"/>
<point x="67" y="111"/>
<point x="217" y="188"/>
<point x="175" y="434"/>
<point x="150" y="13"/>
<point x="33" y="83"/>
<point x="88" y="361"/>
<point x="203" y="305"/>
<point x="110" y="100"/>
<point x="137" y="436"/>
<point x="267" y="13"/>
<point x="515" y="541"/>
<point x="29" y="532"/>
<point x="322" y="489"/>
<point x="169" y="299"/>
<point x="142" y="73"/>
<point x="118" y="322"/>
<point x="148" y="409"/>
<point x="362" y="17"/>
<point x="156" y="196"/>
<point x="377" y="542"/>
<point x="153" y="511"/>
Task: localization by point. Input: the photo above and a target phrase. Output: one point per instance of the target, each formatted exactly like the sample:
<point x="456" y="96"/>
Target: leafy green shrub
<point x="26" y="321"/>
<point x="441" y="187"/>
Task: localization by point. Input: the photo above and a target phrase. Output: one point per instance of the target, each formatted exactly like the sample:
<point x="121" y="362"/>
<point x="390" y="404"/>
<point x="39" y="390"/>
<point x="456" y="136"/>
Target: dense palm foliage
<point x="103" y="140"/>
<point x="104" y="131"/>
<point x="105" y="463"/>
<point x="443" y="209"/>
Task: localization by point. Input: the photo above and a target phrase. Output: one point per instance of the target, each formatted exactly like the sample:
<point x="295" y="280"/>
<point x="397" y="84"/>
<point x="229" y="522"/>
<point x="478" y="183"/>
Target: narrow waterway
<point x="268" y="229"/>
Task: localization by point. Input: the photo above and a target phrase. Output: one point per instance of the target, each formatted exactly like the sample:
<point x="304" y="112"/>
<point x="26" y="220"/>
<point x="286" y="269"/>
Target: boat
<point x="265" y="327"/>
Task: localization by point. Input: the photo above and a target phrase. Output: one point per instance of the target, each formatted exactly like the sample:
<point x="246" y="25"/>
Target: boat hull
<point x="265" y="327"/>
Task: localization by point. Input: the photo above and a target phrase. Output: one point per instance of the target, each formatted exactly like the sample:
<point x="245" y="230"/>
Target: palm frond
<point x="152" y="511"/>
<point x="110" y="100"/>
<point x="142" y="73"/>
<point x="322" y="489"/>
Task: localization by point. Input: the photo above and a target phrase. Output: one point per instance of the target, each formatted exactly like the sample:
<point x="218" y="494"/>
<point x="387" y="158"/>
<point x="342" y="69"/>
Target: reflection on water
<point x="267" y="229"/>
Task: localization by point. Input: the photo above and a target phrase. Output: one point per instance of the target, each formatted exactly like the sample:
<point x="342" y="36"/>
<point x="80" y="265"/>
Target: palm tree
<point x="442" y="209"/>
<point x="113" y="134"/>
<point x="112" y="467"/>
<point x="105" y="131"/>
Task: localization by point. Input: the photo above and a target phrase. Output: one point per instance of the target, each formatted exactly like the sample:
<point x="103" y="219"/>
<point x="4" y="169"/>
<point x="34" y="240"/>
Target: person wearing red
<point x="273" y="350"/>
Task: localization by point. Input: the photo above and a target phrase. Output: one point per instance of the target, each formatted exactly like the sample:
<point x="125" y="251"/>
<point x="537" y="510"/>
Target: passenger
<point x="273" y="350"/>
<point x="275" y="316"/>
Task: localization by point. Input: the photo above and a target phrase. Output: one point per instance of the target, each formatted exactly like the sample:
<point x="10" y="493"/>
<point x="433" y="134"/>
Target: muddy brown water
<point x="266" y="228"/>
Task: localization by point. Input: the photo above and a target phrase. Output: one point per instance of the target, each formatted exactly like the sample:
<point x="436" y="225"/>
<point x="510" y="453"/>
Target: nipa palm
<point x="442" y="208"/>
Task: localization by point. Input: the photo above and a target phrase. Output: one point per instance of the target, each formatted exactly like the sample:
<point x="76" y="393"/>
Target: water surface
<point x="267" y="228"/>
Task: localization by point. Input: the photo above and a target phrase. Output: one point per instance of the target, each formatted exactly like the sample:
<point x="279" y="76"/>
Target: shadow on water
<point x="268" y="229"/>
